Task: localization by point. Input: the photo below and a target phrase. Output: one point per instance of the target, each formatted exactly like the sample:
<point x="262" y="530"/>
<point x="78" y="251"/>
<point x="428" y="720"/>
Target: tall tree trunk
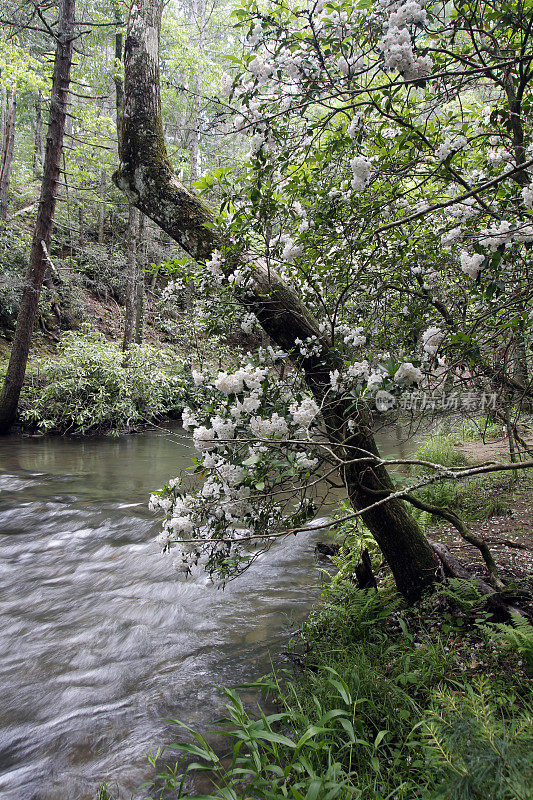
<point x="7" y="153"/>
<point x="101" y="207"/>
<point x="198" y="13"/>
<point x="131" y="281"/>
<point x="81" y="228"/>
<point x="38" y="151"/>
<point x="140" y="291"/>
<point x="146" y="176"/>
<point x="45" y="216"/>
<point x="3" y="112"/>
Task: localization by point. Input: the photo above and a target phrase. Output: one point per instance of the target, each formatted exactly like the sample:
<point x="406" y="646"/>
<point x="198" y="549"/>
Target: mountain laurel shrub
<point x="93" y="387"/>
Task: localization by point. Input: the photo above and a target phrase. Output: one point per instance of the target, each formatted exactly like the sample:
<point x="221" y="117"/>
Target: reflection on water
<point x="99" y="640"/>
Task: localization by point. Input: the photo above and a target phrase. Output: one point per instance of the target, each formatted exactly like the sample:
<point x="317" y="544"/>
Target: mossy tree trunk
<point x="45" y="216"/>
<point x="8" y="150"/>
<point x="131" y="278"/>
<point x="145" y="175"/>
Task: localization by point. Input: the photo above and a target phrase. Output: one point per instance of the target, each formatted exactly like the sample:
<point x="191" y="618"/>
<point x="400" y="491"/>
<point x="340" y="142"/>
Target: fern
<point x="518" y="636"/>
<point x="463" y="593"/>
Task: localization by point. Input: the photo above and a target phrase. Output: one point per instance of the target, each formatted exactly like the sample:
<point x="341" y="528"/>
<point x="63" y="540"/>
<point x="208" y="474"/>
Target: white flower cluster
<point x="357" y="373"/>
<point x="527" y="195"/>
<point x="261" y="69"/>
<point x="172" y="289"/>
<point x="198" y="377"/>
<point x="497" y="235"/>
<point x="354" y="127"/>
<point x="398" y="54"/>
<point x="303" y="462"/>
<point x="450" y="146"/>
<point x="290" y="251"/>
<point x="361" y="167"/>
<point x="359" y="370"/>
<point x="464" y="210"/>
<point x="273" y="427"/>
<point x="310" y="347"/>
<point x="256" y="34"/>
<point x="248" y="322"/>
<point x="410" y="12"/>
<point x="305" y="412"/>
<point x="234" y="382"/>
<point x="351" y="336"/>
<point x="497" y="157"/>
<point x="247" y="405"/>
<point x="188" y="418"/>
<point x="431" y="340"/>
<point x="226" y="84"/>
<point x="451" y="237"/>
<point x="214" y="265"/>
<point x="408" y="374"/>
<point x="471" y="264"/>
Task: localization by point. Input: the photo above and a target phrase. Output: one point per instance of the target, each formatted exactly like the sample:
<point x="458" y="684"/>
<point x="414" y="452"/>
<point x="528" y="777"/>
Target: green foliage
<point x="477" y="497"/>
<point x="390" y="704"/>
<point x="479" y="428"/>
<point x="440" y="449"/>
<point x="477" y="751"/>
<point x="93" y="387"/>
<point x="104" y="793"/>
<point x="518" y="636"/>
<point x="353" y="537"/>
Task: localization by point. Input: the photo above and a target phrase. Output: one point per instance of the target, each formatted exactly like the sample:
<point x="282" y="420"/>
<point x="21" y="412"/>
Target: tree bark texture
<point x="45" y="216"/>
<point x="140" y="289"/>
<point x="7" y="151"/>
<point x="145" y="175"/>
<point x="38" y="152"/>
<point x="101" y="207"/>
<point x="131" y="279"/>
<point x="198" y="14"/>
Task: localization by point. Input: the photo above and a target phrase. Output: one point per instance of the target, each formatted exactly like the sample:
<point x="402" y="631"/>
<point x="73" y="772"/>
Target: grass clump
<point x="92" y="388"/>
<point x="410" y="704"/>
<point x="475" y="498"/>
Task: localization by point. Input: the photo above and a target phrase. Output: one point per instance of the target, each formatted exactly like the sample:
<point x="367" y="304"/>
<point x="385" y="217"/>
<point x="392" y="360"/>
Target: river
<point x="100" y="642"/>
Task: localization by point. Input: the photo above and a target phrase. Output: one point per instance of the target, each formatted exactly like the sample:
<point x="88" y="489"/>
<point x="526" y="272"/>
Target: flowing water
<point x="99" y="640"/>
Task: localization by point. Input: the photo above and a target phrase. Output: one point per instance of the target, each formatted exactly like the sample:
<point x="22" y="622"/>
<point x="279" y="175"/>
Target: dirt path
<point x="509" y="535"/>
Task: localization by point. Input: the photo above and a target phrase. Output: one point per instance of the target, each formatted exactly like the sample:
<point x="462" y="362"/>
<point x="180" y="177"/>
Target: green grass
<point x="474" y="498"/>
<point x="409" y="704"/>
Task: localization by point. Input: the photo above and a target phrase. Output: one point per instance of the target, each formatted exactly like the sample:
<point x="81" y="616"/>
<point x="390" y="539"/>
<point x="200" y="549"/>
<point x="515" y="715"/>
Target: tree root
<point x="452" y="568"/>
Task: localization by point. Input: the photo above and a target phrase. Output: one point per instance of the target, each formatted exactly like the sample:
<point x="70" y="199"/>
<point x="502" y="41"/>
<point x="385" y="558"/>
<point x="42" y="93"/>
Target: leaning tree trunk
<point x="145" y="175"/>
<point x="45" y="216"/>
<point x="7" y="153"/>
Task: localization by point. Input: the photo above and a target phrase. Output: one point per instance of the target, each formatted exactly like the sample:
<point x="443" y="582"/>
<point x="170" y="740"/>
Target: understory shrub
<point x="389" y="704"/>
<point x="94" y="387"/>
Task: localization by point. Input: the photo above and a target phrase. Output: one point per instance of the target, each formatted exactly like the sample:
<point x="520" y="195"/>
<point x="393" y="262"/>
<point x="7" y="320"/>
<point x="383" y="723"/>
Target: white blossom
<point x="203" y="438"/>
<point x="527" y="195"/>
<point x="431" y="340"/>
<point x="361" y="167"/>
<point x="188" y="418"/>
<point x="304" y="413"/>
<point x="197" y="377"/>
<point x="408" y="374"/>
<point x="471" y="264"/>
